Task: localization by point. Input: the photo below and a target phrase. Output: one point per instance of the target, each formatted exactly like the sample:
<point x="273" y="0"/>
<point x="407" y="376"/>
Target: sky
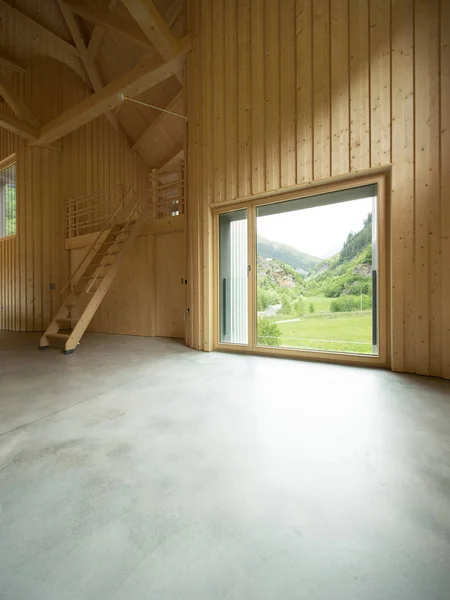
<point x="320" y="231"/>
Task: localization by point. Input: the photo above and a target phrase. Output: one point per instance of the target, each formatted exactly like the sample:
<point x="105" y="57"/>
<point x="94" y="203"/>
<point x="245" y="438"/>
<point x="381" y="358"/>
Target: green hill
<point x="284" y="253"/>
<point x="349" y="271"/>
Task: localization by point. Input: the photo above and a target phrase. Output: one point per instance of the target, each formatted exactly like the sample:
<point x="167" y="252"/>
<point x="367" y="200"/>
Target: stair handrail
<point x="129" y="218"/>
<point x="96" y="241"/>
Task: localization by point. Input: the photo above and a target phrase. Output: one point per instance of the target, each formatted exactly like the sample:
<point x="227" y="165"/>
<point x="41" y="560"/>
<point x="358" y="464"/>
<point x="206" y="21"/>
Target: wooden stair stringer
<point x="105" y="283"/>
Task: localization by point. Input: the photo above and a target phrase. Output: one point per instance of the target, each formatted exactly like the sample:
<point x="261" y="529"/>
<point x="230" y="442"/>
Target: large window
<point x="305" y="275"/>
<point x="317" y="272"/>
<point x="7" y="199"/>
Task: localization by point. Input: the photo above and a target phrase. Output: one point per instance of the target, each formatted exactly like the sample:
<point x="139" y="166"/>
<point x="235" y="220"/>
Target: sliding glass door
<point x="302" y="275"/>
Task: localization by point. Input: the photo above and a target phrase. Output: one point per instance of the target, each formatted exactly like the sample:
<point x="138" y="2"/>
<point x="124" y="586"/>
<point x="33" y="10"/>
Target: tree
<point x="311" y="308"/>
<point x="286" y="308"/>
<point x="268" y="333"/>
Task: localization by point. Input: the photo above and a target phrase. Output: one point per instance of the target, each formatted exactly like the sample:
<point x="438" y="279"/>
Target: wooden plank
<point x="146" y="74"/>
<point x="195" y="150"/>
<point x="257" y="97"/>
<point x="340" y="117"/>
<point x="98" y="34"/>
<point x="272" y="96"/>
<point x="16" y="103"/>
<point x="380" y="82"/>
<point x="445" y="183"/>
<point x="218" y="105"/>
<point x="37" y="27"/>
<point x="175" y="105"/>
<point x="154" y="26"/>
<point x="88" y="63"/>
<point x="244" y="98"/>
<point x="101" y="16"/>
<point x="304" y="82"/>
<point x="231" y="68"/>
<point x="170" y="291"/>
<point x="207" y="190"/>
<point x="288" y="162"/>
<point x="17" y="126"/>
<point x="9" y="64"/>
<point x="427" y="266"/>
<point x="321" y="87"/>
<point x="37" y="239"/>
<point x="402" y="195"/>
<point x="359" y="86"/>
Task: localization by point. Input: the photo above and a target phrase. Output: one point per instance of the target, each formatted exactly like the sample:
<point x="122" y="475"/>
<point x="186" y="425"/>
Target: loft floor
<point x="137" y="468"/>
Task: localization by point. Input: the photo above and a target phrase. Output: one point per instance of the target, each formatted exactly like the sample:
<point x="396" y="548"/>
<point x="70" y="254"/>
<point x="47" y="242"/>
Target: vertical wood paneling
<point x="244" y="97"/>
<point x="288" y="93"/>
<point x="272" y="95"/>
<point x="427" y="197"/>
<point x="304" y="75"/>
<point x="218" y="92"/>
<point x="231" y="67"/>
<point x="194" y="101"/>
<point x="208" y="67"/>
<point x="445" y="182"/>
<point x="257" y="92"/>
<point x="402" y="194"/>
<point x="372" y="89"/>
<point x="321" y="87"/>
<point x="340" y="132"/>
<point x="359" y="85"/>
<point x="45" y="179"/>
<point x="380" y="82"/>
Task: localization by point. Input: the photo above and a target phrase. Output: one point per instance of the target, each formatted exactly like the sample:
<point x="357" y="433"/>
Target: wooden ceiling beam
<point x="146" y="74"/>
<point x="11" y="65"/>
<point x="63" y="44"/>
<point x="175" y="105"/>
<point x="98" y="14"/>
<point x="154" y="26"/>
<point x="98" y="34"/>
<point x="16" y="103"/>
<point x="17" y="126"/>
<point x="88" y="63"/>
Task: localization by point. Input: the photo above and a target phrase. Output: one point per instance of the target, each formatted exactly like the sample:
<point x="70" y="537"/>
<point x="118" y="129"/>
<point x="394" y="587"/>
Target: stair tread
<point x="92" y="277"/>
<point x="67" y="320"/>
<point x="59" y="336"/>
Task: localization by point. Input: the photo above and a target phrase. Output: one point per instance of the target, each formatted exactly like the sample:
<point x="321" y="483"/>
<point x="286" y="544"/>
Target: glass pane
<point x="233" y="279"/>
<point x="317" y="272"/>
<point x="8" y="201"/>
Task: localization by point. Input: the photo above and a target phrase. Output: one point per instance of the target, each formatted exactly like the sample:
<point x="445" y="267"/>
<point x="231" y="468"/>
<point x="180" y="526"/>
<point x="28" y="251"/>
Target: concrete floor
<point x="137" y="468"/>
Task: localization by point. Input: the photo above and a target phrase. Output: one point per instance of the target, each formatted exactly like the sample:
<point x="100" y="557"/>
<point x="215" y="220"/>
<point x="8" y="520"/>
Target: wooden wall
<point x="93" y="157"/>
<point x="147" y="298"/>
<point x="287" y="92"/>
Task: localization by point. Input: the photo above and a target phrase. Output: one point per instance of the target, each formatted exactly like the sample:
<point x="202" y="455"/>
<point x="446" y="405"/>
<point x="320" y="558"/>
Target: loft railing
<point x="93" y="212"/>
<point x="90" y="213"/>
<point x="139" y="204"/>
<point x="167" y="191"/>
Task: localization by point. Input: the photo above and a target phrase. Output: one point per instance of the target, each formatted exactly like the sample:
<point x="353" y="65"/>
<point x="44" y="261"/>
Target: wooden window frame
<point x="4" y="164"/>
<point x="382" y="359"/>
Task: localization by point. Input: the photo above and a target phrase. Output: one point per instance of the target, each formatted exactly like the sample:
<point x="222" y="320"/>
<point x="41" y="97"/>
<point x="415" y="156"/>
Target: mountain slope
<point x="287" y="254"/>
<point x="347" y="272"/>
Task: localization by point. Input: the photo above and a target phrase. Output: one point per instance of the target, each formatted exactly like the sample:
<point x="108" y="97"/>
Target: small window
<point x="8" y="200"/>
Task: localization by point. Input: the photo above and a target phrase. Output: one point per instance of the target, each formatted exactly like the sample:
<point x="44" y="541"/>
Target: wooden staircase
<point x="95" y="274"/>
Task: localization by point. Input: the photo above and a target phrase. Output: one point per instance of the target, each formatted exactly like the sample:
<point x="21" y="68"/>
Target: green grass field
<point x="320" y="303"/>
<point x="338" y="332"/>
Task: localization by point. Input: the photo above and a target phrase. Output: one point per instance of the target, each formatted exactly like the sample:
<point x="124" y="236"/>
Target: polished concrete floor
<point x="139" y="469"/>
